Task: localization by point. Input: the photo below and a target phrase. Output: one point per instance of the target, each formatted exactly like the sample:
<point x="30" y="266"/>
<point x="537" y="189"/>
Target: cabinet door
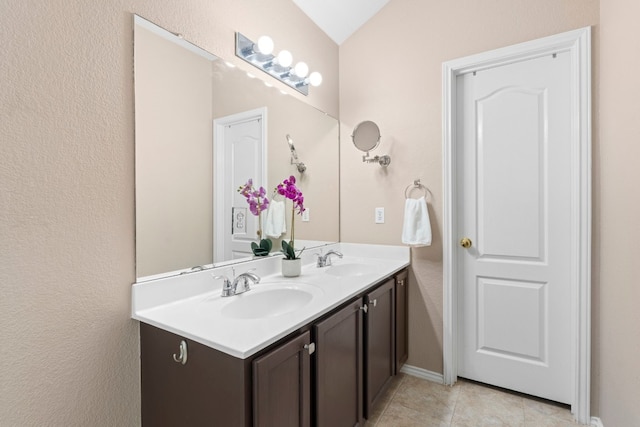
<point x="211" y="388"/>
<point x="282" y="385"/>
<point x="402" y="320"/>
<point x="379" y="340"/>
<point x="339" y="368"/>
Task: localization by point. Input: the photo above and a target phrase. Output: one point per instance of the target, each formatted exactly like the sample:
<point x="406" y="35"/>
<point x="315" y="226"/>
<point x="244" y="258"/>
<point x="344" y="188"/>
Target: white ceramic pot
<point x="291" y="267"/>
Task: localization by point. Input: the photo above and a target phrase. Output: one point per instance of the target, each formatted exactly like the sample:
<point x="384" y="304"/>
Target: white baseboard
<point x="596" y="422"/>
<point x="422" y="373"/>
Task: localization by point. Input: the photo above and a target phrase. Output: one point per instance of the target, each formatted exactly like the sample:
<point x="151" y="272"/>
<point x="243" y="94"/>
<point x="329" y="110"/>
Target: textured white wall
<point x="69" y="350"/>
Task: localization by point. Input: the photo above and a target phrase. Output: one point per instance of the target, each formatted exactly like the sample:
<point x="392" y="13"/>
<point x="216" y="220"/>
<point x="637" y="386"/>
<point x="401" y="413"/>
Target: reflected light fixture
<point x="261" y="56"/>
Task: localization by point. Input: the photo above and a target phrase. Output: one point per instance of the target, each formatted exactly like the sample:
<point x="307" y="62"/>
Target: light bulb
<point x="265" y="45"/>
<point x="285" y="59"/>
<point x="301" y="69"/>
<point x="315" y="78"/>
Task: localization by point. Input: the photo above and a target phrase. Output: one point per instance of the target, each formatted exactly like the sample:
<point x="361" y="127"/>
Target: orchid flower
<point x="258" y="203"/>
<point x="289" y="190"/>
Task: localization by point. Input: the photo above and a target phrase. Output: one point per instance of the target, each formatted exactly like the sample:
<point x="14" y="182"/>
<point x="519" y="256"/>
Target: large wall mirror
<point x="185" y="98"/>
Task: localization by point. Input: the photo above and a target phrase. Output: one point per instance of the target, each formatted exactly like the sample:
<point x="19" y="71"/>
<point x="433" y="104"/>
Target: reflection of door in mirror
<point x="239" y="153"/>
<point x="179" y="90"/>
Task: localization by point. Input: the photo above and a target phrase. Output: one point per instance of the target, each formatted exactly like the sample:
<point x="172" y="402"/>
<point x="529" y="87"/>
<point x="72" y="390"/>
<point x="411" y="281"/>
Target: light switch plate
<point x="305" y="215"/>
<point x="379" y="215"/>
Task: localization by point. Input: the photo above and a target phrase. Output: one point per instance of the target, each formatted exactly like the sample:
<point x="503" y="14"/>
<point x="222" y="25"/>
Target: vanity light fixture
<point x="265" y="45"/>
<point x="280" y="66"/>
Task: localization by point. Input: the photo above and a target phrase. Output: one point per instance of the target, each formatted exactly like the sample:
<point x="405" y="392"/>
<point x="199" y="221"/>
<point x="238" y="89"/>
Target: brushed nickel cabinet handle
<point x="311" y="347"/>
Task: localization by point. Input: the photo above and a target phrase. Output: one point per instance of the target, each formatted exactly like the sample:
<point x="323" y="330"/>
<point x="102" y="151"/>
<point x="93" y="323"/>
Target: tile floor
<point x="414" y="402"/>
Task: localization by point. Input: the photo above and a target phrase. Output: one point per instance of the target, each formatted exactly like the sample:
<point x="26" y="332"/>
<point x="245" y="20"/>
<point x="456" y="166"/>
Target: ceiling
<point x="340" y="18"/>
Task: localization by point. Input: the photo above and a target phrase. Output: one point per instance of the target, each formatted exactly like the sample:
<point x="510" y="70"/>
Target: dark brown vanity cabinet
<point x="402" y="320"/>
<point x="356" y="357"/>
<point x="210" y="388"/>
<point x="379" y="342"/>
<point x="330" y="373"/>
<point x="282" y="385"/>
<point x="339" y="368"/>
<point x="199" y="386"/>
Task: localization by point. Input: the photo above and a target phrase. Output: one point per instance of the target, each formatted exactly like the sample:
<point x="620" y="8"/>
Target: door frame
<point x="220" y="171"/>
<point x="578" y="44"/>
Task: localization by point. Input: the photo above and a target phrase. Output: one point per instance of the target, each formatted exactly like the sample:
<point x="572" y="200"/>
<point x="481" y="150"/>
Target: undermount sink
<point x="349" y="270"/>
<point x="269" y="301"/>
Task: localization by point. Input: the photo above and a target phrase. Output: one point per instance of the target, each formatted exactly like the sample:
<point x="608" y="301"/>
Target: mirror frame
<point x="366" y="129"/>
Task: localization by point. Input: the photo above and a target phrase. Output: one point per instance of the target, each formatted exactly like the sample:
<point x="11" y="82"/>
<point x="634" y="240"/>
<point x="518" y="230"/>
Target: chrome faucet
<point x="324" y="260"/>
<point x="245" y="280"/>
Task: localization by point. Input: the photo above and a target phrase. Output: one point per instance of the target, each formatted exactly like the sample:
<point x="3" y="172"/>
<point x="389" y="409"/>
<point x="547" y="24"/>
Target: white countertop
<point x="191" y="306"/>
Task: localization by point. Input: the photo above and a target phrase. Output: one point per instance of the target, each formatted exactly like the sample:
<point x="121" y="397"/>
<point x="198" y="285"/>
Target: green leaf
<point x="287" y="250"/>
<point x="266" y="244"/>
<point x="261" y="250"/>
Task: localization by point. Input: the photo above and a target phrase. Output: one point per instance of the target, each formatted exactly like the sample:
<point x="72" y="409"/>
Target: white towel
<point x="275" y="224"/>
<point x="416" y="230"/>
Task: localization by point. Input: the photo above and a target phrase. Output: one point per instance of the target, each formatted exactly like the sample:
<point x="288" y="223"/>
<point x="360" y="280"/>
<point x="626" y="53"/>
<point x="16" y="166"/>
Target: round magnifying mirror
<point x="366" y="136"/>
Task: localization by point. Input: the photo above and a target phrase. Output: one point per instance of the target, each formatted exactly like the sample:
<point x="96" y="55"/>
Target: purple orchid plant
<point x="289" y="190"/>
<point x="258" y="203"/>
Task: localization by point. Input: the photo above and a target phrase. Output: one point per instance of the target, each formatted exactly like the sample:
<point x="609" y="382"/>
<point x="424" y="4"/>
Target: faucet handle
<point x="226" y="284"/>
<point x="220" y="276"/>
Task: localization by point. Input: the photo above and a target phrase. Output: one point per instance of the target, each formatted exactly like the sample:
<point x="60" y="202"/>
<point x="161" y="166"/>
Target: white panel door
<point x="243" y="160"/>
<point x="514" y="193"/>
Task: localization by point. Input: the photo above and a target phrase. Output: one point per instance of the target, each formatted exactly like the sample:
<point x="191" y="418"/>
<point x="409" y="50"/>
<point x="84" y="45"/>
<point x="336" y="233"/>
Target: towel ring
<point x="416" y="184"/>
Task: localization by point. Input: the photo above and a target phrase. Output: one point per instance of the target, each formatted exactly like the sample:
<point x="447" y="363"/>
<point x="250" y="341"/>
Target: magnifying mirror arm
<point x="299" y="165"/>
<point x="294" y="156"/>
<point x="384" y="160"/>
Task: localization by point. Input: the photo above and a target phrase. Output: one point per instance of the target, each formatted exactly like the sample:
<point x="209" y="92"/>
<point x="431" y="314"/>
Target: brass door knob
<point x="466" y="242"/>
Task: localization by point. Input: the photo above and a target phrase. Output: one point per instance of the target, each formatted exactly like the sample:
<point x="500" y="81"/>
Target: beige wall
<point x="173" y="155"/>
<point x="617" y="352"/>
<point x="68" y="347"/>
<point x="390" y="72"/>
